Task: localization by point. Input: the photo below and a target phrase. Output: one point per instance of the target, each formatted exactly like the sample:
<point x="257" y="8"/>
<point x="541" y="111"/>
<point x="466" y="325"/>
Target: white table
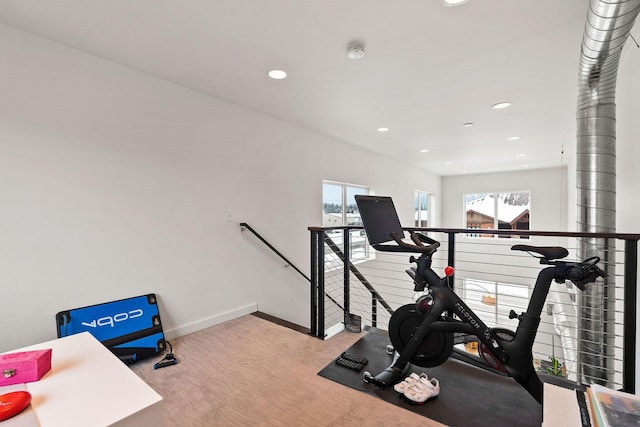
<point x="560" y="407"/>
<point x="87" y="386"/>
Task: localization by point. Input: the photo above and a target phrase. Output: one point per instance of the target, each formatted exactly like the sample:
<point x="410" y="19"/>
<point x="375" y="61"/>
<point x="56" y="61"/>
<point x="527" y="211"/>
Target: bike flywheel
<point x="434" y="350"/>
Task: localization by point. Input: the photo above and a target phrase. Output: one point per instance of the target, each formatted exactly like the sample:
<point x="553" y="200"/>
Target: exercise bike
<point x="422" y="333"/>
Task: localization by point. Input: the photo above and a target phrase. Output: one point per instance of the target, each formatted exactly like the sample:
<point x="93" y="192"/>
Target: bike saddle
<point x="548" y="252"/>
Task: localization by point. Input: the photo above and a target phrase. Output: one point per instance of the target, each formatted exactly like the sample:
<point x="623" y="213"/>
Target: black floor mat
<point x="469" y="396"/>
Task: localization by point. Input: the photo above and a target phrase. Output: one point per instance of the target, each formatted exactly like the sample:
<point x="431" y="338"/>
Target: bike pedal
<point x="349" y="364"/>
<point x="354" y="358"/>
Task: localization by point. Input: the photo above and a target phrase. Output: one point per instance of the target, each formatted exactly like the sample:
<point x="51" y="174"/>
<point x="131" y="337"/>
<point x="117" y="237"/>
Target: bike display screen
<point x="379" y="218"/>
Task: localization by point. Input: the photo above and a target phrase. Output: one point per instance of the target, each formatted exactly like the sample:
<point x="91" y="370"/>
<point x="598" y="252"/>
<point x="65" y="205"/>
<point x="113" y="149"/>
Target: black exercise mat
<point x="469" y="396"/>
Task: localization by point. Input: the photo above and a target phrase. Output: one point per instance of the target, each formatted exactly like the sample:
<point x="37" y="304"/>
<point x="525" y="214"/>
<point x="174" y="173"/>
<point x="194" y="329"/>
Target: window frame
<point x="417" y="212"/>
<point x="343" y="200"/>
<point x="360" y="253"/>
<point x="508" y="296"/>
<point x="496" y="196"/>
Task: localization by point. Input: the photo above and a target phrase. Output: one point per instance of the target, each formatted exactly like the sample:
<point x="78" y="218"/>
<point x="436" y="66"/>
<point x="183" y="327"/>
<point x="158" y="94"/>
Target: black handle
<point x="584" y="273"/>
<point x="419" y="239"/>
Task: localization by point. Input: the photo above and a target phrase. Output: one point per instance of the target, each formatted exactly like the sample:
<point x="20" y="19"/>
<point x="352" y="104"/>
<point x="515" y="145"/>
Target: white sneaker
<point x="409" y="382"/>
<point x="423" y="390"/>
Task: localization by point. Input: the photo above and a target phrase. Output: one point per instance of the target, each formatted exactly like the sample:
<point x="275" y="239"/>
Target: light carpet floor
<point x="252" y="372"/>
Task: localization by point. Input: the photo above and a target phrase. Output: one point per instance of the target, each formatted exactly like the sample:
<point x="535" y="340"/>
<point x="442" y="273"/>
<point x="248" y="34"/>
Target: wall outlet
<point x="227" y="216"/>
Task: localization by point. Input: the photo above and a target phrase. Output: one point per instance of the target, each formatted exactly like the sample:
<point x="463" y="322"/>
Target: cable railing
<point x="493" y="280"/>
<point x="358" y="275"/>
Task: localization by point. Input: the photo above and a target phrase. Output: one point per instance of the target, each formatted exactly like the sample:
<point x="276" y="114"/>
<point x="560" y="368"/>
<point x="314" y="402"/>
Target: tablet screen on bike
<point x="379" y="218"/>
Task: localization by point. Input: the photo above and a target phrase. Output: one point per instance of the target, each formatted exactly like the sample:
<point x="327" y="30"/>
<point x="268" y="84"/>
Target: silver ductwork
<point x="564" y="315"/>
<point x="608" y="26"/>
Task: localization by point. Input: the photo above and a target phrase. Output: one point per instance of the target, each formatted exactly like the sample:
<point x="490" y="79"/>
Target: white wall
<point x="114" y="183"/>
<point x="549" y="202"/>
<point x="627" y="141"/>
<point x="628" y="156"/>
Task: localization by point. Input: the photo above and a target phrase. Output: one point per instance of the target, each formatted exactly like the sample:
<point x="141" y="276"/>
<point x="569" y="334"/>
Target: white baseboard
<point x="210" y="321"/>
<point x="333" y="330"/>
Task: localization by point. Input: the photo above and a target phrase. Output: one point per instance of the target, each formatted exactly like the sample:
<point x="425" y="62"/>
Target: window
<point x="422" y="209"/>
<point x="339" y="204"/>
<point x="493" y="301"/>
<point x="339" y="208"/>
<point x="498" y="211"/>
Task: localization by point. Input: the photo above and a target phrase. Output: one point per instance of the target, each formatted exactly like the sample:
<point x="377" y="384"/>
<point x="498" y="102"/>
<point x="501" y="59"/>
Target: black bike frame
<point x="509" y="351"/>
<point x="515" y="354"/>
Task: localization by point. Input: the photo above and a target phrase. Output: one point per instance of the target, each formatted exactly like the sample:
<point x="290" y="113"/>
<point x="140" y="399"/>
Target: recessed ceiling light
<point x="424" y="151"/>
<point x="383" y="129"/>
<point x="501" y="105"/>
<point x="513" y="138"/>
<point x="519" y="155"/>
<point x="467" y="125"/>
<point x="447" y="163"/>
<point x="277" y="74"/>
<point x="454" y="2"/>
<point x="525" y="166"/>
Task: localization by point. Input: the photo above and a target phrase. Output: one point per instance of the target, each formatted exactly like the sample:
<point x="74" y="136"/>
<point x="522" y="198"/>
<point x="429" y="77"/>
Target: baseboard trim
<point x="282" y="322"/>
<point x="210" y="321"/>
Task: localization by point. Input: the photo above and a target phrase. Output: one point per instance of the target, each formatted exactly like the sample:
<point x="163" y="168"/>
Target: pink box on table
<point x="24" y="366"/>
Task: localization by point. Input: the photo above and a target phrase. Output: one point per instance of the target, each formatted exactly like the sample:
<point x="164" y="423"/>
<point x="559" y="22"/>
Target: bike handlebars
<point x="419" y="239"/>
<point x="582" y="273"/>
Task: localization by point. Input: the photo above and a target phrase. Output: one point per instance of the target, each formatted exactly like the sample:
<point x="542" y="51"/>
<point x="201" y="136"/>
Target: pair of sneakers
<point x="418" y="389"/>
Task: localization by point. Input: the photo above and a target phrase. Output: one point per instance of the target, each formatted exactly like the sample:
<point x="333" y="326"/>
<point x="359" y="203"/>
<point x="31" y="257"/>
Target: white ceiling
<point x="428" y="68"/>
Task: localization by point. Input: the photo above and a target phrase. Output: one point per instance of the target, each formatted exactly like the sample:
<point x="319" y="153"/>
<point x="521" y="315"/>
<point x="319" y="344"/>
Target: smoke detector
<point x="355" y="51"/>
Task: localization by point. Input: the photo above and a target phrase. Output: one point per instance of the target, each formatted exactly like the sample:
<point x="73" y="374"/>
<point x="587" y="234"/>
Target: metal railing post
<point x="451" y="255"/>
<point x="315" y="264"/>
<point x="320" y="297"/>
<point x="347" y="261"/>
<point x="630" y="296"/>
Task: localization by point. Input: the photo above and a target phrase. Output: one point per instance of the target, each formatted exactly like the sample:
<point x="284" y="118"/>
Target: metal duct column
<point x="608" y="26"/>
